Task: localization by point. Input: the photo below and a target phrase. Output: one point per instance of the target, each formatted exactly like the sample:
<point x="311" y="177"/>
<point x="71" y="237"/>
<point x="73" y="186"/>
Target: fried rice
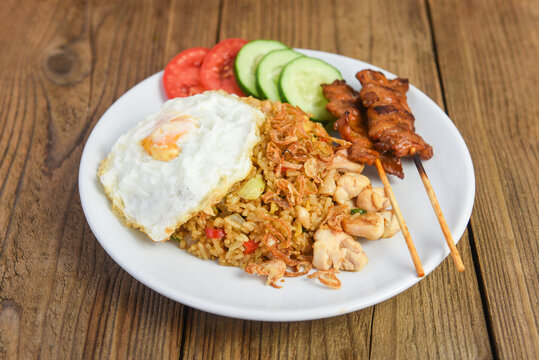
<point x="292" y="158"/>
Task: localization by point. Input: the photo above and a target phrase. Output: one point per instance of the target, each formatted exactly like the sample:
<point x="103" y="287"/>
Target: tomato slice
<point x="217" y="71"/>
<point x="182" y="74"/>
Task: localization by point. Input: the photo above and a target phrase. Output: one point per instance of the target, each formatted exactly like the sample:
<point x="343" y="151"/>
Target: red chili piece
<point x="214" y="233"/>
<point x="250" y="246"/>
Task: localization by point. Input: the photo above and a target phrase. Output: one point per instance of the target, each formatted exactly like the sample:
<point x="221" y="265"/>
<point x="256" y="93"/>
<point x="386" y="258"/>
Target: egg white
<point x="158" y="196"/>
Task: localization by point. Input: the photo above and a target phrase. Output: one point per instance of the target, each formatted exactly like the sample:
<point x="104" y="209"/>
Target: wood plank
<point x="410" y="321"/>
<point x="61" y="295"/>
<point x="304" y="23"/>
<point x="434" y="319"/>
<point x="488" y="54"/>
<point x="210" y="336"/>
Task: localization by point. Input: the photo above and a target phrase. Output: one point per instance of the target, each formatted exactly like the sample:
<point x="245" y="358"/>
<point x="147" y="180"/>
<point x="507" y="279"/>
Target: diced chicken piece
<point x="391" y="224"/>
<point x="274" y="269"/>
<point x="369" y="226"/>
<point x="353" y="183"/>
<point x="328" y="183"/>
<point x="303" y="217"/>
<point x="340" y="196"/>
<point x="349" y="186"/>
<point x="340" y="162"/>
<point x="372" y="199"/>
<point x="338" y="250"/>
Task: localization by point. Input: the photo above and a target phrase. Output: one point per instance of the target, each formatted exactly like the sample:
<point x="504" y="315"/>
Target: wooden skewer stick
<point x="400" y="219"/>
<point x="436" y="206"/>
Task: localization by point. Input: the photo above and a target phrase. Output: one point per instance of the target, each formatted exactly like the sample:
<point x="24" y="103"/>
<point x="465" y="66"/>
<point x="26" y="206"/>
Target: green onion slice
<point x="358" y="211"/>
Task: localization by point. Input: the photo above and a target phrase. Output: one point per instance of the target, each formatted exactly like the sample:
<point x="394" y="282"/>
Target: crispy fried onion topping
<point x="274" y="269"/>
<point x="327" y="277"/>
<point x="300" y="147"/>
<point x="335" y="216"/>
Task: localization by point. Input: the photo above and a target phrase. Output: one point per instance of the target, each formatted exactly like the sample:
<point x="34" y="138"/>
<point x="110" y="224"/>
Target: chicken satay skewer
<point x="391" y="125"/>
<point x="344" y="104"/>
<point x="438" y="211"/>
<point x="400" y="219"/>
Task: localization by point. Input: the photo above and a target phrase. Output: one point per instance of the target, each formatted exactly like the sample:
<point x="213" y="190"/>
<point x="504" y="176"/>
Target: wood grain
<point x="488" y="53"/>
<point x="304" y="23"/>
<point x="215" y="337"/>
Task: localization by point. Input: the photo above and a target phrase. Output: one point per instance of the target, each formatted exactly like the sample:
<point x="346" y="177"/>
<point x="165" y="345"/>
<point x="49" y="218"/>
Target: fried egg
<point x="180" y="160"/>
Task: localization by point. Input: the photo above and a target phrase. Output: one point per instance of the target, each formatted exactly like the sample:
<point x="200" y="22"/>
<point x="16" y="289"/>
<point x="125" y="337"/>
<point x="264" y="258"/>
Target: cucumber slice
<point x="269" y="70"/>
<point x="300" y="83"/>
<point x="247" y="61"/>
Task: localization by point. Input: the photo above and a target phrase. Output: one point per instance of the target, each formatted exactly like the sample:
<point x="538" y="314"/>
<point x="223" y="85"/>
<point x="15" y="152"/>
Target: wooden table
<point x="62" y="64"/>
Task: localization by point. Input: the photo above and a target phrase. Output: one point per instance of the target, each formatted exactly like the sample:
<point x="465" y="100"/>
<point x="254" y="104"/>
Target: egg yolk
<point x="161" y="144"/>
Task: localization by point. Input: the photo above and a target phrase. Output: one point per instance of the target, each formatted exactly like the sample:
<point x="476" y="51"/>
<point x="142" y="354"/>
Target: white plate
<point x="231" y="292"/>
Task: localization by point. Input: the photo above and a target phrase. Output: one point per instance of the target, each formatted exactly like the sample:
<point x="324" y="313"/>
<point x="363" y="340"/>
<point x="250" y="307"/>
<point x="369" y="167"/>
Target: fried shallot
<point x="274" y="269"/>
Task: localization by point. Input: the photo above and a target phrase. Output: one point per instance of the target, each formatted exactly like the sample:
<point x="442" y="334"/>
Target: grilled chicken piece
<point x="362" y="148"/>
<point x="390" y="120"/>
<point x="341" y="97"/>
<point x="345" y="104"/>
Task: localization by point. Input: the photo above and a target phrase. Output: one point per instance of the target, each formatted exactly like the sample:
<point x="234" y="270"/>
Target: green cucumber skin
<point x="259" y="87"/>
<point x="243" y="88"/>
<point x="238" y="67"/>
<point x="240" y="83"/>
<point x="282" y="91"/>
